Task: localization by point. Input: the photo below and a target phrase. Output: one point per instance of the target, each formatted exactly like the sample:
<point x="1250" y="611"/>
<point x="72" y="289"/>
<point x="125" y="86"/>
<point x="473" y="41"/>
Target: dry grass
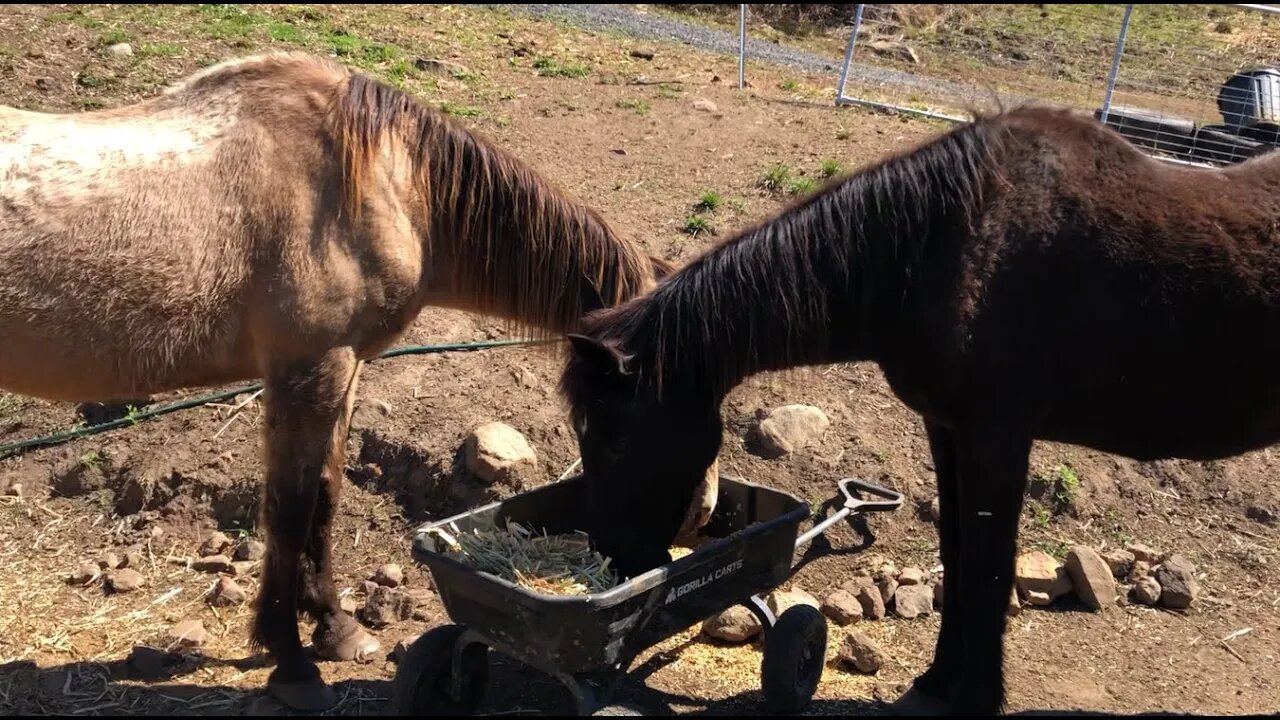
<point x="547" y="564"/>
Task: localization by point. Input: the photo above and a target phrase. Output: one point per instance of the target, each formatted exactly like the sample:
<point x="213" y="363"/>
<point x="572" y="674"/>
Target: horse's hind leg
<point x="930" y="694"/>
<point x="337" y="636"/>
<point x="304" y="403"/>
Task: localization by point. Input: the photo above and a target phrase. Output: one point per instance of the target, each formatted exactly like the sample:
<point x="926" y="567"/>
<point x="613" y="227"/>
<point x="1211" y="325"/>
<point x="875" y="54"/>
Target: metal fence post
<point x="742" y="46"/>
<point x="1115" y="63"/>
<point x="848" y="53"/>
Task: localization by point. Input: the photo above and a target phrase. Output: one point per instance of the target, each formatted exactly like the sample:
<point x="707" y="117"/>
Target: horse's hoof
<point x="356" y="646"/>
<point x="307" y="696"/>
<point x="914" y="703"/>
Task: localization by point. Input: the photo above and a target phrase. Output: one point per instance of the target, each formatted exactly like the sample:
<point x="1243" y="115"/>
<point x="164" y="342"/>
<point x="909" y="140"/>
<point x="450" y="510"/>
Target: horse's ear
<point x="602" y="356"/>
<point x="661" y="268"/>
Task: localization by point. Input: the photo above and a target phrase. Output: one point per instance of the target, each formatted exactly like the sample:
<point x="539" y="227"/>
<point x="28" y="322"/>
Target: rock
<point x="705" y="105"/>
<point x="1140" y="570"/>
<point x="735" y="625"/>
<point x="642" y="54"/>
<point x="911" y="576"/>
<point x="348" y="604"/>
<point x="872" y="602"/>
<point x="1041" y="574"/>
<point x="790" y="428"/>
<point x="888" y="588"/>
<point x="148" y="663"/>
<point x="1120" y="562"/>
<point x="780" y="601"/>
<point x="133" y="559"/>
<point x="1035" y="597"/>
<point x="121" y="50"/>
<point x="441" y="67"/>
<point x="227" y="593"/>
<point x="188" y="634"/>
<point x="1143" y="553"/>
<point x="243" y="569"/>
<point x="111" y="561"/>
<point x="213" y="564"/>
<point x="861" y="652"/>
<point x="1092" y="578"/>
<point x="215" y="544"/>
<point x="389" y="575"/>
<point x="14" y="490"/>
<point x="842" y="607"/>
<point x="250" y="550"/>
<point x="123" y="581"/>
<point x="496" y="452"/>
<point x="84" y="574"/>
<point x="385" y="606"/>
<point x="1015" y="607"/>
<point x="1178" y="585"/>
<point x="1146" y="591"/>
<point x="886" y="571"/>
<point x="44" y="84"/>
<point x="912" y="601"/>
<point x="934" y="512"/>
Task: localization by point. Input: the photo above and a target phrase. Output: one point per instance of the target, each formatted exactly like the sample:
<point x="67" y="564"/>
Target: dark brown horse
<point x="285" y="218"/>
<point x="1027" y="276"/>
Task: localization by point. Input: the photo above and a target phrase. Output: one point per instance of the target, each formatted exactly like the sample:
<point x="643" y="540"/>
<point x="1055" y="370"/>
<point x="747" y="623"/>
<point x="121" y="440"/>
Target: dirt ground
<point x="640" y="130"/>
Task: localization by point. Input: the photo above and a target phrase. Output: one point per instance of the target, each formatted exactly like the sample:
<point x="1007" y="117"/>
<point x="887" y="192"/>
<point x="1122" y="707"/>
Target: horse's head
<point x="642" y="456"/>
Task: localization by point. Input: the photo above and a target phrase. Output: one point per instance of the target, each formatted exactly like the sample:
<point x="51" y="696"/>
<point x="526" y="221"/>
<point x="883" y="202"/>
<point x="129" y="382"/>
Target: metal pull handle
<point x="889" y="500"/>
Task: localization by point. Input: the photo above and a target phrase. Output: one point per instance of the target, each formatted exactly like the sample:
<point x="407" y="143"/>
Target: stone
<point x="642" y="54"/>
<point x="133" y="559"/>
<point x="1039" y="573"/>
<point x="1146" y="591"/>
<point x="123" y="581"/>
<point x="85" y="573"/>
<point x="1143" y="553"/>
<point x="911" y="576"/>
<point x="498" y="453"/>
<point x="385" y="606"/>
<point x="215" y="544"/>
<point x="780" y="601"/>
<point x="213" y="564"/>
<point x="860" y="651"/>
<point x="1091" y="576"/>
<point x="872" y="602"/>
<point x="735" y="625"/>
<point x="913" y="601"/>
<point x="790" y="428"/>
<point x="842" y="607"/>
<point x="934" y="512"/>
<point x="1178" y="585"/>
<point x="121" y="50"/>
<point x="187" y="634"/>
<point x="348" y="604"/>
<point x="705" y="105"/>
<point x="250" y="550"/>
<point x="111" y="561"/>
<point x="389" y="575"/>
<point x="1120" y="562"/>
<point x="227" y="593"/>
<point x="1140" y="570"/>
<point x="441" y="67"/>
<point x="1015" y="607"/>
<point x="888" y="588"/>
<point x="1037" y="598"/>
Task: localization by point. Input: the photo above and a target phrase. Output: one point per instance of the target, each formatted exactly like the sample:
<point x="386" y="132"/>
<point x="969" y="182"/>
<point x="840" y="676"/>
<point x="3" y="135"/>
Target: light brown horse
<point x="277" y="217"/>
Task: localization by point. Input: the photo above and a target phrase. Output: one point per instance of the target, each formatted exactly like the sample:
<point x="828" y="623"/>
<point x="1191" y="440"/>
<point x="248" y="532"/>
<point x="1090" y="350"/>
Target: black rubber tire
<point x="795" y="654"/>
<point x="423" y="678"/>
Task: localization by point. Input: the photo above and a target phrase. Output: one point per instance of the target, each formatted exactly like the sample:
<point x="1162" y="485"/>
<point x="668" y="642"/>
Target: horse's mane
<point x="765" y="298"/>
<point x="518" y="243"/>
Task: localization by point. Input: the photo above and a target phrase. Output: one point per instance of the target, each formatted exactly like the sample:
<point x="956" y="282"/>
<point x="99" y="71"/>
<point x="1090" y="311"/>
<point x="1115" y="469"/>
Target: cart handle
<point x="889" y="500"/>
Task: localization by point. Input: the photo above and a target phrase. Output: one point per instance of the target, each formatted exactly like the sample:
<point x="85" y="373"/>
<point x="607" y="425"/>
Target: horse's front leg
<point x="337" y="635"/>
<point x="931" y="693"/>
<point x="991" y="464"/>
<point x="304" y="403"/>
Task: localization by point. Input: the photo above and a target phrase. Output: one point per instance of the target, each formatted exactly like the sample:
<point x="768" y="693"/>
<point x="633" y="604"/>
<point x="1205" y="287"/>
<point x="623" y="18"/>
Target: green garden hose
<point x="134" y="418"/>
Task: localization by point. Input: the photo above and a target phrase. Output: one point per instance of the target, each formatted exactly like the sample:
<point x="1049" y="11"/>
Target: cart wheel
<point x="422" y="685"/>
<point x="795" y="653"/>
